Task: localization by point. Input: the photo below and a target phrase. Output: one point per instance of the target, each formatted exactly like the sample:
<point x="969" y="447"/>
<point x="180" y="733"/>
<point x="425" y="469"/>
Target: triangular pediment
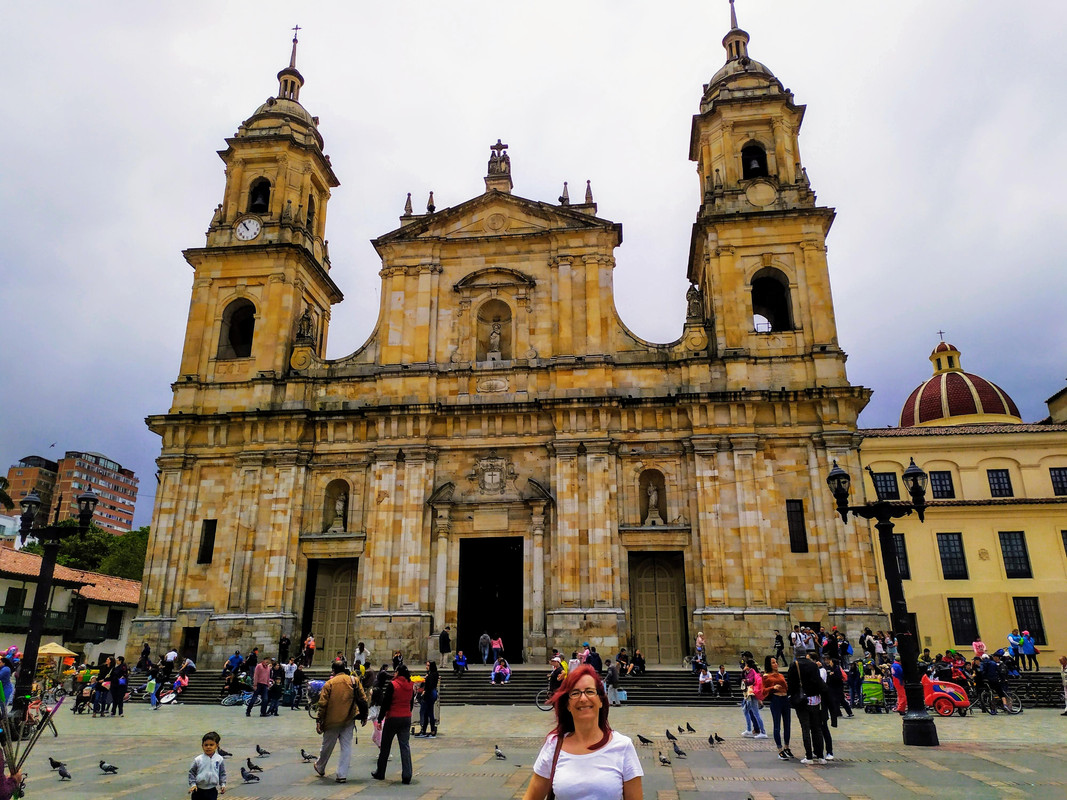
<point x="495" y="214"/>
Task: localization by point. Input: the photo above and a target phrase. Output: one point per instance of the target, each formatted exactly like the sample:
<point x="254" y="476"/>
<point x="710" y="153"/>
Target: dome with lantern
<point x="955" y="397"/>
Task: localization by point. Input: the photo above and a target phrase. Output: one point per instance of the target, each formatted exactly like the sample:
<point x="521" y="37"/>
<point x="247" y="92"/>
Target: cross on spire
<point x="498" y="148"/>
<point x="292" y="58"/>
<point x="942" y="335"/>
<point x="733" y="16"/>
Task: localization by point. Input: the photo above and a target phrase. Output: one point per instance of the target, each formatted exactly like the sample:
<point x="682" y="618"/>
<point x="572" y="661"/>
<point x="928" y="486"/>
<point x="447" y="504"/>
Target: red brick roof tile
<point x="94" y="587"/>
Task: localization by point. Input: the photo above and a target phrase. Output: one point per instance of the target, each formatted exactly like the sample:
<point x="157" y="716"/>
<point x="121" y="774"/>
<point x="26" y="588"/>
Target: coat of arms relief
<point x="492" y="473"/>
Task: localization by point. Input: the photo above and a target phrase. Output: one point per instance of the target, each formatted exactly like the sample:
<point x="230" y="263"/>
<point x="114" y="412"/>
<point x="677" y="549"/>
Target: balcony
<point x="18" y="620"/>
<point x="89" y="632"/>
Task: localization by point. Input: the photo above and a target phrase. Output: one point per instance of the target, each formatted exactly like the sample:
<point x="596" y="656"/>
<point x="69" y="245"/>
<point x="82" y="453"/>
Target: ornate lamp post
<point x="919" y="728"/>
<point x="49" y="536"/>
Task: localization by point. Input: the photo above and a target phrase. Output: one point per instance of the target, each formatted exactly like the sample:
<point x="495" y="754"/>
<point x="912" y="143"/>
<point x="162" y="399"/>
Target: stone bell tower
<point x="262" y="282"/>
<point x="758" y="252"/>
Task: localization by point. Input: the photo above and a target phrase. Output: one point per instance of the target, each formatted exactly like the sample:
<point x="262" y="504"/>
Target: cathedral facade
<point x="503" y="454"/>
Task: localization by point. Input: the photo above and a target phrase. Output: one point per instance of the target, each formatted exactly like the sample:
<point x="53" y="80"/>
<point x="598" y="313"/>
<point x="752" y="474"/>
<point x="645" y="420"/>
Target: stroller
<point x="873" y="693"/>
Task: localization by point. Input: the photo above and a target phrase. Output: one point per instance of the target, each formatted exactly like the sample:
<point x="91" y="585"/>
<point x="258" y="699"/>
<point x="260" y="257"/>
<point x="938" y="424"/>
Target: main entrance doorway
<point x="657" y="606"/>
<point x="490" y="595"/>
<point x="332" y="584"/>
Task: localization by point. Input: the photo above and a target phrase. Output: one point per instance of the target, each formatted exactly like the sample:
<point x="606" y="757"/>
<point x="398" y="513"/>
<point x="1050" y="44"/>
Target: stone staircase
<point x="667" y="687"/>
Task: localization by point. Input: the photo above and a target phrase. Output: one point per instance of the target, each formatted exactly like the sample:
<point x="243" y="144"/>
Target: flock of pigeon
<point x="665" y="761"/>
<point x="248" y="771"/>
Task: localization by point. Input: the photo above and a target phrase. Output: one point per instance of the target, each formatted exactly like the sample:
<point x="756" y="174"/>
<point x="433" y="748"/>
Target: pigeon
<point x="690" y="728"/>
<point x="63" y="774"/>
<point x="224" y="753"/>
<point x="56" y="764"/>
<point x="679" y="751"/>
<point x="109" y="769"/>
<point x="719" y="738"/>
<point x="664" y="760"/>
<point x="671" y="736"/>
<point x="681" y="729"/>
<point x="262" y="751"/>
<point x="711" y="739"/>
<point x="253" y="767"/>
<point x="643" y="740"/>
<point x="250" y="777"/>
<point x="306" y="756"/>
<point x="499" y="753"/>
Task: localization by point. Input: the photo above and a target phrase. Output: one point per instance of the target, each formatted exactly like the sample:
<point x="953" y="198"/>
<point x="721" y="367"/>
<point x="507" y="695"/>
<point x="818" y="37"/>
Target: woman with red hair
<point x="583" y="758"/>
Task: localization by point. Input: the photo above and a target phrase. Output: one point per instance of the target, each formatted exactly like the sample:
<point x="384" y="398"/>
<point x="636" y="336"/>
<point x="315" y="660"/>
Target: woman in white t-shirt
<point x="583" y="758"/>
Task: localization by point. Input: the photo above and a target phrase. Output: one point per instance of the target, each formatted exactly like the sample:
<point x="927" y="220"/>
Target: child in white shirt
<point x="207" y="775"/>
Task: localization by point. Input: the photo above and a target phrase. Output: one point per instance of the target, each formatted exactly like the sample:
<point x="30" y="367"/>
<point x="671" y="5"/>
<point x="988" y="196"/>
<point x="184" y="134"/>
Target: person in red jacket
<point x="395" y="714"/>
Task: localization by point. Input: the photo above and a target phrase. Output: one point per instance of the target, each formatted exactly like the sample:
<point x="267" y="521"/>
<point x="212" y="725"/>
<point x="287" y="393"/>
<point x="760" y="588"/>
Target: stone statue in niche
<point x="653" y="517"/>
<point x="493" y="353"/>
<point x="303" y="329"/>
<point x="339" y="513"/>
<point x="694" y="305"/>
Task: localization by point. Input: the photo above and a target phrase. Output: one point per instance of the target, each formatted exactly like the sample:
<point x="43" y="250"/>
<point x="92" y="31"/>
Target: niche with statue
<point x="494" y="332"/>
<point x="652" y="496"/>
<point x="335" y="510"/>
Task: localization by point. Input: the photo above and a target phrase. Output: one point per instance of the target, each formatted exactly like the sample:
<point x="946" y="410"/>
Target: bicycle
<point x="986" y="699"/>
<point x="236" y="699"/>
<point x="543" y="700"/>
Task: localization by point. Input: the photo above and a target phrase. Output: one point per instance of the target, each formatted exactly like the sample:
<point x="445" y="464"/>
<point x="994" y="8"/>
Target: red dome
<point x="951" y="392"/>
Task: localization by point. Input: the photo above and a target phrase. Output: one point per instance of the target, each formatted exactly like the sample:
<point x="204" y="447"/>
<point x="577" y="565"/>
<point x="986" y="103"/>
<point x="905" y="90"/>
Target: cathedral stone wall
<point x="503" y="452"/>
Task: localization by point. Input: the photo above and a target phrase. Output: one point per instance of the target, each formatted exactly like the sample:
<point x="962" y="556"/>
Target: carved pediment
<point x="495" y="214"/>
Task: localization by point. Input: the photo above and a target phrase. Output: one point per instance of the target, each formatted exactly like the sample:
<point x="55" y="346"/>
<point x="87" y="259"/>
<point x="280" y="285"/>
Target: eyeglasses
<point x="576" y="694"/>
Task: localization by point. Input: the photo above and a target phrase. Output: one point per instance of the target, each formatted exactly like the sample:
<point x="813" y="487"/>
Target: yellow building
<point x="503" y="454"/>
<point x="992" y="554"/>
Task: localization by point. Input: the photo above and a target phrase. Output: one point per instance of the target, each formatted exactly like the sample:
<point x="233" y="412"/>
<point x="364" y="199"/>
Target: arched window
<point x="259" y="196"/>
<point x="494" y="332"/>
<point x="311" y="213"/>
<point x="753" y="161"/>
<point x="238" y="326"/>
<point x="771" y="308"/>
<point x="652" y="497"/>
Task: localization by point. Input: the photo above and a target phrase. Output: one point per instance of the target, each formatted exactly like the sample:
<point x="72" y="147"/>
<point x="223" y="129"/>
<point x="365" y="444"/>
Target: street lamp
<point x="49" y="536"/>
<point x="919" y="728"/>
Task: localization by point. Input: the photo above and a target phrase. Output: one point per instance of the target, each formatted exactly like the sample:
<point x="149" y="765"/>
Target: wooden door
<point x="335" y="610"/>
<point x="658" y="608"/>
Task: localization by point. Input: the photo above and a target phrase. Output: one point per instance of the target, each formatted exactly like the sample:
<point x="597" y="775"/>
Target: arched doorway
<point x="657" y="607"/>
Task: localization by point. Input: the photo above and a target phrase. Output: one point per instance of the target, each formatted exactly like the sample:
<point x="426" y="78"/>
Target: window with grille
<point x="1028" y="616"/>
<point x="207" y="541"/>
<point x="1059" y="480"/>
<point x="1016" y="557"/>
<point x="964" y="624"/>
<point x="999" y="483"/>
<point x="902" y="557"/>
<point x="885" y="484"/>
<point x="798" y="532"/>
<point x="953" y="561"/>
<point x="941" y="487"/>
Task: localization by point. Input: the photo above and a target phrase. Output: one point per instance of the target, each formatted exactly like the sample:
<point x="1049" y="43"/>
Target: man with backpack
<point x="341" y="702"/>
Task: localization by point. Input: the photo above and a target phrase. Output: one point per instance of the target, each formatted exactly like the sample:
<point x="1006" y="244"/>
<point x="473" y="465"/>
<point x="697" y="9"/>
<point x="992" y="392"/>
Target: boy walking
<point x="207" y="775"/>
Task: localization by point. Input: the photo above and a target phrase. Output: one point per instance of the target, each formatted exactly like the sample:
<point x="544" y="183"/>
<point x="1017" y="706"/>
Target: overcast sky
<point x="935" y="130"/>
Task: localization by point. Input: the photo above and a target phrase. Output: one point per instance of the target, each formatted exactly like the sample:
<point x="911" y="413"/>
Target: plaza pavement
<point x="979" y="757"/>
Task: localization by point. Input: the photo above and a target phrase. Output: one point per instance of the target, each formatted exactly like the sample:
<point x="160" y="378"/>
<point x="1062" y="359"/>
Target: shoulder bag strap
<point x="552" y="775"/>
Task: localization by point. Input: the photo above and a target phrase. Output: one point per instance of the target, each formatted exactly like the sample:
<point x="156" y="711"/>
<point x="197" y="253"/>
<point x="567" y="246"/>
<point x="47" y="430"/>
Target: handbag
<point x="552" y="775"/>
<point x="621" y="695"/>
<point x="798" y="701"/>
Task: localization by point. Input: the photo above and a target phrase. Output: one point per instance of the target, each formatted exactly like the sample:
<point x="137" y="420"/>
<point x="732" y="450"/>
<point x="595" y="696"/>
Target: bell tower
<point x="262" y="281"/>
<point x="758" y="252"/>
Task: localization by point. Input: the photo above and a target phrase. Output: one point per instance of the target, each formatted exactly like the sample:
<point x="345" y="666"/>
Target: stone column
<point x="165" y="535"/>
<point x="599" y="495"/>
<point x="785" y="167"/>
<point x="538" y="641"/>
<point x="565" y="552"/>
<point x="708" y="526"/>
<point x="747" y="489"/>
<point x="414" y="567"/>
<point x="593" y="343"/>
<point x="731" y="159"/>
<point x="421" y="346"/>
<point x="382" y="504"/>
<point x="249" y="475"/>
<point x="565" y="333"/>
<point x="444" y="529"/>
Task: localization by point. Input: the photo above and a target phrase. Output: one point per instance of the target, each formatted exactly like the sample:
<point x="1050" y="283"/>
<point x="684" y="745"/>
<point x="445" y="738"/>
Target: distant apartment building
<point x="70" y="477"/>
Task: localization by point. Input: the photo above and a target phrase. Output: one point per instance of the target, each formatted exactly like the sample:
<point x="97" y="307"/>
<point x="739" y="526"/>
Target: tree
<point x="5" y="498"/>
<point x="127" y="555"/>
<point x="79" y="550"/>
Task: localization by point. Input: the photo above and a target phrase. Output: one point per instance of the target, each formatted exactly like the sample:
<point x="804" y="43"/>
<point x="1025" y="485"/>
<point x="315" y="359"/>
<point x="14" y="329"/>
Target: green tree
<point x="5" y="498"/>
<point x="80" y="550"/>
<point x="127" y="555"/>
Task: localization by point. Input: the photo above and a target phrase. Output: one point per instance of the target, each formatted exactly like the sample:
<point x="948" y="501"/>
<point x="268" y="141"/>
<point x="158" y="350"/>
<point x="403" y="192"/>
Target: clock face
<point x="247" y="229"/>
